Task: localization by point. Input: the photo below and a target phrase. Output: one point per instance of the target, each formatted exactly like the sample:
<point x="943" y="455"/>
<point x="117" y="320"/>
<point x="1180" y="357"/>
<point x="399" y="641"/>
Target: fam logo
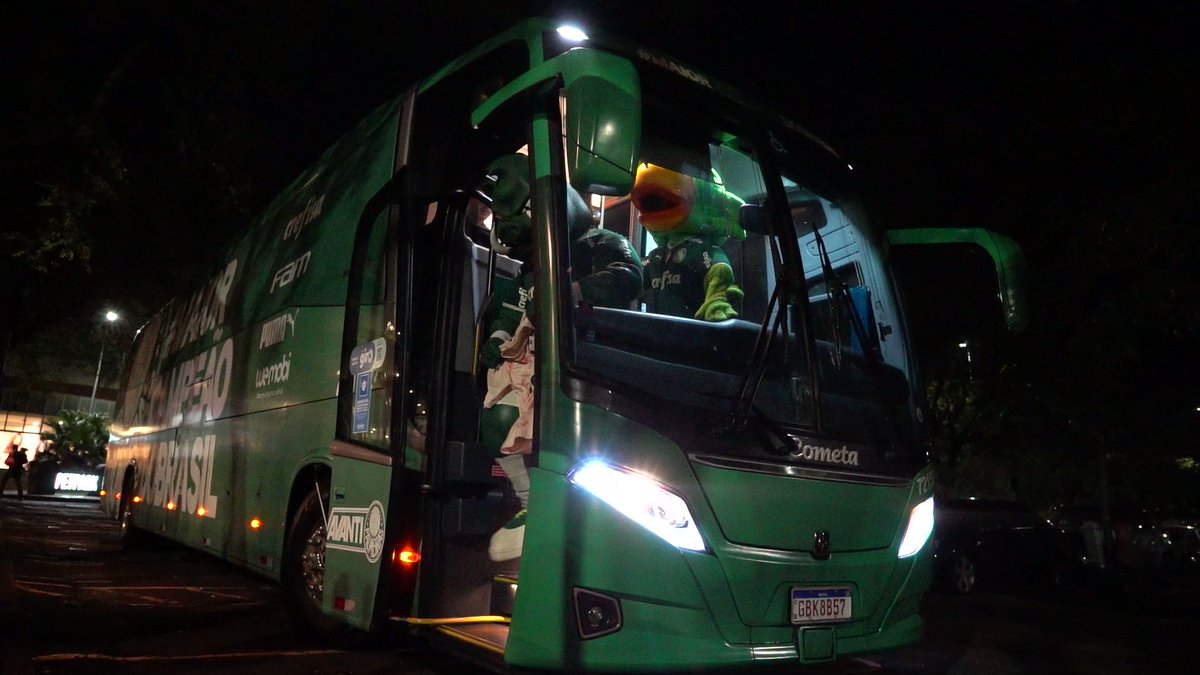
<point x="357" y="530"/>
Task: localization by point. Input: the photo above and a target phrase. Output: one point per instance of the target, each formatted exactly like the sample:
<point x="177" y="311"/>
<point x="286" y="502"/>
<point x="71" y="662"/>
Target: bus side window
<point x="375" y="308"/>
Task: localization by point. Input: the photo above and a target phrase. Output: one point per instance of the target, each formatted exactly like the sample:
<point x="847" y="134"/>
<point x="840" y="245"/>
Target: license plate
<point x="820" y="605"/>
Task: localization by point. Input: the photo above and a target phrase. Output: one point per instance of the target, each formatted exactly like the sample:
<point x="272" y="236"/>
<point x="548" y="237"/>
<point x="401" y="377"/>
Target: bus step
<point x="490" y="637"/>
<point x="504" y="593"/>
<point x="489" y="633"/>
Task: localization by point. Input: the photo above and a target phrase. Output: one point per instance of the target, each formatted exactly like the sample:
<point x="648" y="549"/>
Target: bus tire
<point x="128" y="534"/>
<point x="964" y="576"/>
<point x="303" y="574"/>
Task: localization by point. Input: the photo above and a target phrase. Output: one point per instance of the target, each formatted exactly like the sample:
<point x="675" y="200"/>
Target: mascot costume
<point x="689" y="218"/>
<point x="605" y="272"/>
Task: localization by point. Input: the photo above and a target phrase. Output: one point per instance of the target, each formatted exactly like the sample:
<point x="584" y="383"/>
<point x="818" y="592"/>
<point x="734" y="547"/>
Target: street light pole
<point x="111" y="317"/>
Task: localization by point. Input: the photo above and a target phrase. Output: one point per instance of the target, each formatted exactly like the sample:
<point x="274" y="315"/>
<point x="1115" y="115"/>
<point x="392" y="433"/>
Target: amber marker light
<point x="137" y="500"/>
<point x="407" y="556"/>
<point x="201" y="511"/>
<point x="103" y="493"/>
<point x="255" y="523"/>
<point x="170" y="506"/>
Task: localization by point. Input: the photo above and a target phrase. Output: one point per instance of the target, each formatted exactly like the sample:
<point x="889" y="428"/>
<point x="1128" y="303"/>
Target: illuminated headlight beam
<point x="642" y="500"/>
<point x="920" y="526"/>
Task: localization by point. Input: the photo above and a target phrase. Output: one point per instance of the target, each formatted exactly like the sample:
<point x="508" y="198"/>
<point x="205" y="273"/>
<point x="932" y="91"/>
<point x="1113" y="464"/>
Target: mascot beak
<point x="663" y="197"/>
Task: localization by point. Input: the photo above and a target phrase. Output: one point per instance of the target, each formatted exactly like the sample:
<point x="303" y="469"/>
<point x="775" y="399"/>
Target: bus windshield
<point x="834" y="363"/>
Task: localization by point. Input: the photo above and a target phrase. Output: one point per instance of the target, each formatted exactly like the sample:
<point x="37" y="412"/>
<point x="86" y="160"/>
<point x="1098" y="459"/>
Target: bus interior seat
<point x="752" y="272"/>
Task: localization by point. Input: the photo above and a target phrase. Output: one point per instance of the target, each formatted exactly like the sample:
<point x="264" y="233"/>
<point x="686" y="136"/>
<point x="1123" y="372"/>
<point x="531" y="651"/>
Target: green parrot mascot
<point x="689" y="218"/>
<point x="606" y="271"/>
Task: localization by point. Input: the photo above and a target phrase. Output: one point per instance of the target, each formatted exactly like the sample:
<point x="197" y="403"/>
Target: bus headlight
<point x="920" y="526"/>
<point x="641" y="500"/>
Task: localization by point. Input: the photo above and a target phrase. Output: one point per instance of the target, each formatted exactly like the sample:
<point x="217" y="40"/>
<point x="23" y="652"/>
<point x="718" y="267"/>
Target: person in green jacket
<point x="605" y="271"/>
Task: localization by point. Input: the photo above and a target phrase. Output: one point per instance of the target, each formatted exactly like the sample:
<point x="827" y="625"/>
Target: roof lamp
<point x="572" y="33"/>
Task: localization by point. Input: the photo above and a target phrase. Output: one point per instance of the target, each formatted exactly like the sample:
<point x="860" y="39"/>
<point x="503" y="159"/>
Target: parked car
<point x="1183" y="546"/>
<point x="996" y="543"/>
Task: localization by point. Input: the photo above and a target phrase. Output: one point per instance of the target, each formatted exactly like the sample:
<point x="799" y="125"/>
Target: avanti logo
<point x="357" y="530"/>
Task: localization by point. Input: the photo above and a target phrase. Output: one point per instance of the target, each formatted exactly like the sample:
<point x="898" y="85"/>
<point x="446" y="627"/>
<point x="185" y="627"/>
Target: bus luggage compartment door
<point x="355" y="532"/>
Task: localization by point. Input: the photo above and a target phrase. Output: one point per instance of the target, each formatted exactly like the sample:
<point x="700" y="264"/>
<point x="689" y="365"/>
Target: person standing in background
<point x="16" y="461"/>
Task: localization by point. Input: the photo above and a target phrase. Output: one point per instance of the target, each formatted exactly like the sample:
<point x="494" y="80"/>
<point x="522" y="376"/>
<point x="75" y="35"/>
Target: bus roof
<point x="532" y="32"/>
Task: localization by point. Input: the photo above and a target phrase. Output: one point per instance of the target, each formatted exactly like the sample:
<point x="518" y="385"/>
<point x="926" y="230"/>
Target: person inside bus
<point x="688" y="274"/>
<point x="605" y="271"/>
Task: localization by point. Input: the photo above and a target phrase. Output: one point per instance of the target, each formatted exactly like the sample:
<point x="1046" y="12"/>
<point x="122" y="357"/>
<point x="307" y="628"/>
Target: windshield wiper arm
<point x="780" y="297"/>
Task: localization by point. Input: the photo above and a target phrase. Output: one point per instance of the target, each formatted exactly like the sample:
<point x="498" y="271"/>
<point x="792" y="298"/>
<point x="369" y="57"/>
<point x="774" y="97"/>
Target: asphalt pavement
<point x="72" y="601"/>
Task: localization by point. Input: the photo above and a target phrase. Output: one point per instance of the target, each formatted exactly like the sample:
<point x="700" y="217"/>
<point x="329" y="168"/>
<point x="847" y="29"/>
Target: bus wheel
<point x="129" y="535"/>
<point x="963" y="575"/>
<point x="303" y="573"/>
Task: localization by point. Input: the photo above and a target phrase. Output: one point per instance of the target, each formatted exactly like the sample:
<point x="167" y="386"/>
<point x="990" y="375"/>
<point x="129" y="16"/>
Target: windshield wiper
<point x="872" y="354"/>
<point x="772" y="322"/>
<point x="836" y="290"/>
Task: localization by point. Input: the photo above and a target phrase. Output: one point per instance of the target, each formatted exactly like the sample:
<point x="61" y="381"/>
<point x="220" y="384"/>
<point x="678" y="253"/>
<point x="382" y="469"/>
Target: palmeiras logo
<point x="373" y="537"/>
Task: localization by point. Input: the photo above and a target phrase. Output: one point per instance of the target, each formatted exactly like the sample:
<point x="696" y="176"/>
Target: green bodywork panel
<point x="855" y="525"/>
<point x="231" y="390"/>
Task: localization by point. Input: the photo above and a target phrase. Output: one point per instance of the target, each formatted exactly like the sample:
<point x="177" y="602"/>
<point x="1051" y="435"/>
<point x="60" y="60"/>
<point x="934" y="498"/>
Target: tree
<point x="77" y="437"/>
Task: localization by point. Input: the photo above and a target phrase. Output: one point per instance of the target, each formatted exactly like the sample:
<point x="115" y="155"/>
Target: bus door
<point x="466" y="500"/>
<point x="373" y="496"/>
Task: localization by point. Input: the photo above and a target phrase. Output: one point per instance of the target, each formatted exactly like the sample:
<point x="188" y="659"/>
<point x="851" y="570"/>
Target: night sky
<point x="1070" y="126"/>
<point x="995" y="114"/>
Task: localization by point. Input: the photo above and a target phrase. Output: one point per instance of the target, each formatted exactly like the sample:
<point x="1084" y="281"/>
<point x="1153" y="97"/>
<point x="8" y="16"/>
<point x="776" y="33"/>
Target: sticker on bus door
<point x="365" y="359"/>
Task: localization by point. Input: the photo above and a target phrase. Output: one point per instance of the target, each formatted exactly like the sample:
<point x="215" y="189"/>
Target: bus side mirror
<point x="1006" y="256"/>
<point x="601" y="95"/>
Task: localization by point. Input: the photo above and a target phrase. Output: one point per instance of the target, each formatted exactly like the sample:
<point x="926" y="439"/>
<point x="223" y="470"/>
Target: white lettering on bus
<point x="357" y="530"/>
<point x="278" y="329"/>
<point x="290" y="272"/>
<point x="276" y="373"/>
<point x="820" y="453"/>
<point x="311" y="212"/>
<point x="346" y="529"/>
<point x="925" y="483"/>
<point x="182" y="474"/>
<point x="204" y="312"/>
<point x="200" y="386"/>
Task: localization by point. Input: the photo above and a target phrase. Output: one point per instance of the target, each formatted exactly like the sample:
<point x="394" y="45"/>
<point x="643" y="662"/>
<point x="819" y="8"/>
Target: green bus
<point x="739" y="483"/>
